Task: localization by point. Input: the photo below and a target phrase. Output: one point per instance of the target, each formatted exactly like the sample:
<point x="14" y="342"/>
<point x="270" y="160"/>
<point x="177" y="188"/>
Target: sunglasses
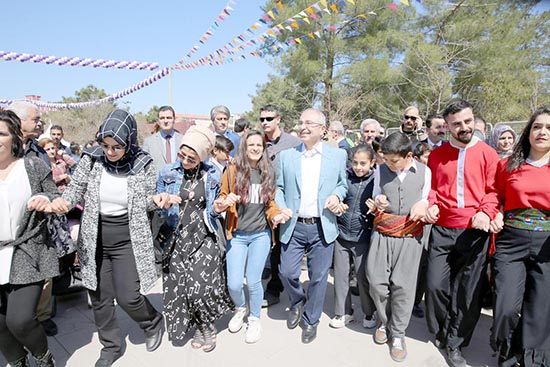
<point x="184" y="157"/>
<point x="268" y="119"/>
<point x="412" y="118"/>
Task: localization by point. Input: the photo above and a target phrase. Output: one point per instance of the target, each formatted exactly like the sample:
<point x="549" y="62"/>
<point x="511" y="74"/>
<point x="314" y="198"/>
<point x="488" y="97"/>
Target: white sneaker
<point x="340" y="321"/>
<point x="371" y="322"/>
<point x="253" y="331"/>
<point x="237" y="321"/>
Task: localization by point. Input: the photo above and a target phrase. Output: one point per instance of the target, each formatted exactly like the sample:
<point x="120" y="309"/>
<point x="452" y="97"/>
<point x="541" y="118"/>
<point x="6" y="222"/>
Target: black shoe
<point x="294" y="316"/>
<point x="309" y="333"/>
<point x="418" y="311"/>
<point x="153" y="342"/>
<point x="455" y="358"/>
<point x="270" y="300"/>
<point x="50" y="328"/>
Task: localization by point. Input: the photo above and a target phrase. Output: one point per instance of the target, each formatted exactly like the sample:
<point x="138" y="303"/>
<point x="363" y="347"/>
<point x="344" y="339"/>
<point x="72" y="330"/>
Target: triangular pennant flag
<point x="406" y="2"/>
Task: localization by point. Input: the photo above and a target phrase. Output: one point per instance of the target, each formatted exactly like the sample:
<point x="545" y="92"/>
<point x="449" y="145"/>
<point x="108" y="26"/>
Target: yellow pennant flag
<point x="406" y="2"/>
<point x="323" y="3"/>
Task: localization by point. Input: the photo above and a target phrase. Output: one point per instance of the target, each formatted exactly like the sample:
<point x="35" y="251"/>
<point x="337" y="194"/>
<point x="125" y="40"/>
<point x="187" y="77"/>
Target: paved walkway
<point x="77" y="344"/>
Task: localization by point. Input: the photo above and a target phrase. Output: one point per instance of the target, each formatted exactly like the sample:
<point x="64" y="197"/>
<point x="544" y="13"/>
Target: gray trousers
<point x="344" y="253"/>
<point x="392" y="268"/>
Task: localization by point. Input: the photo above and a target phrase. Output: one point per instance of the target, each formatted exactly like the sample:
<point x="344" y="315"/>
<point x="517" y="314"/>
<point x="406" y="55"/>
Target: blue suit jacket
<point x="332" y="182"/>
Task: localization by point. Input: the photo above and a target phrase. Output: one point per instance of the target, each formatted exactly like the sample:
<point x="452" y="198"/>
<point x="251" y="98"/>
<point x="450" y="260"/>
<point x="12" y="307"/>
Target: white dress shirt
<point x="311" y="170"/>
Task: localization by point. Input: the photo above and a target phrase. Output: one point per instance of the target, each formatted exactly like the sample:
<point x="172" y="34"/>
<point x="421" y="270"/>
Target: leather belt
<point x="308" y="220"/>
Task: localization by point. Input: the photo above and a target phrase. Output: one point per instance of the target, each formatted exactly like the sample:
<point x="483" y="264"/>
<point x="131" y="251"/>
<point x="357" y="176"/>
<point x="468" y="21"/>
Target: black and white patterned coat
<point x="141" y="188"/>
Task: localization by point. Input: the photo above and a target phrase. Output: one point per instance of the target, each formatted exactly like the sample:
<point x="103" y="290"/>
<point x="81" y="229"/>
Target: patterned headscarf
<point x="495" y="135"/>
<point x="122" y="127"/>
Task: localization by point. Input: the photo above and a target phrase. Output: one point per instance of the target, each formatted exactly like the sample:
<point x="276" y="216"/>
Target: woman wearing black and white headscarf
<point x="115" y="248"/>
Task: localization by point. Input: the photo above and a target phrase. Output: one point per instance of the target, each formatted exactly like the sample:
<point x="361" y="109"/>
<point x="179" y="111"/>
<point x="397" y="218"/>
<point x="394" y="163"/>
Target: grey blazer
<point x="141" y="188"/>
<point x="156" y="147"/>
<point x="33" y="260"/>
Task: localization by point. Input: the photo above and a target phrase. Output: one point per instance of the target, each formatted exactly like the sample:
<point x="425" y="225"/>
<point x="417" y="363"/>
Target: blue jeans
<point x="255" y="246"/>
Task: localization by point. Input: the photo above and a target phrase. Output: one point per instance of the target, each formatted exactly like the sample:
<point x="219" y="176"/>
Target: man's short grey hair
<point x="320" y="118"/>
<point x="219" y="109"/>
<point x="337" y="126"/>
<point x="21" y="108"/>
<point x="370" y="122"/>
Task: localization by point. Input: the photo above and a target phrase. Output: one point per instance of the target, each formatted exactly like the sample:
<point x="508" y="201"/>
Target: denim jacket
<point x="170" y="179"/>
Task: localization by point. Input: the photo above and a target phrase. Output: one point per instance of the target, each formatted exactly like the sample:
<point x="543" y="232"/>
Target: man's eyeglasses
<point x="268" y="118"/>
<point x="115" y="148"/>
<point x="184" y="157"/>
<point x="309" y="124"/>
<point x="412" y="118"/>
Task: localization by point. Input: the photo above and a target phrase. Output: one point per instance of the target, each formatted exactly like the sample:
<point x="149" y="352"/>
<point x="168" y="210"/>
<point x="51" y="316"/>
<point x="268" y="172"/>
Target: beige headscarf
<point x="201" y="139"/>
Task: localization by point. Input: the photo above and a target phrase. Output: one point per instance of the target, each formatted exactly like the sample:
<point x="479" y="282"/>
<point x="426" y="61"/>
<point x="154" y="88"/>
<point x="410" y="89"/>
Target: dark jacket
<point x="33" y="259"/>
<point x="355" y="225"/>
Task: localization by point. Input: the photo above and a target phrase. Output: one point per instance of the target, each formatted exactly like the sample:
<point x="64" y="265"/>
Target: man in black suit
<point x="437" y="128"/>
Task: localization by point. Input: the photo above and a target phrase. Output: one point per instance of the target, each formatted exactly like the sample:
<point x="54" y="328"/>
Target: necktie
<point x="168" y="149"/>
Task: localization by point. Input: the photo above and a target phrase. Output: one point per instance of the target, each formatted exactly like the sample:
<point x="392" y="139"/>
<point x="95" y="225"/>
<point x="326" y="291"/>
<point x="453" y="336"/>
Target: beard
<point x="464" y="136"/>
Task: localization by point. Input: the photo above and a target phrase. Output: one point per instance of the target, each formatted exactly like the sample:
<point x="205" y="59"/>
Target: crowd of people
<point x="409" y="215"/>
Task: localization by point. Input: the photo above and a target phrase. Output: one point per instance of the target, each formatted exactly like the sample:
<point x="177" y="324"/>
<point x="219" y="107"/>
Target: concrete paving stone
<point x="77" y="343"/>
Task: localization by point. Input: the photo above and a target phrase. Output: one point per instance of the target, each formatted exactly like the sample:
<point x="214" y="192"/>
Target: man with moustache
<point x="311" y="185"/>
<point x="164" y="145"/>
<point x="412" y="124"/>
<point x="463" y="202"/>
<point x="437" y="128"/>
<point x="277" y="140"/>
<point x="369" y="130"/>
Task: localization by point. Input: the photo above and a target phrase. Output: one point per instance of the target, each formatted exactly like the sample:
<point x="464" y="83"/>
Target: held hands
<point x="333" y="204"/>
<point x="58" y="206"/>
<point x="432" y="214"/>
<point x="419" y="211"/>
<point x="38" y="203"/>
<point x="282" y="217"/>
<point x="481" y="221"/>
<point x="380" y="203"/>
<point x="164" y="200"/>
<point x="221" y="204"/>
<point x="497" y="224"/>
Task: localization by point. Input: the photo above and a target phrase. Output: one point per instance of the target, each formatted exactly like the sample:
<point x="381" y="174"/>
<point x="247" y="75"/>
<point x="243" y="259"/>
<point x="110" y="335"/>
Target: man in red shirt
<point x="463" y="202"/>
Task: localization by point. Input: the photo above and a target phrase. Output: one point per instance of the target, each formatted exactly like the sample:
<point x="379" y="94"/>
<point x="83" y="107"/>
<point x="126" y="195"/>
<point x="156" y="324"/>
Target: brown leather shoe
<point x="398" y="350"/>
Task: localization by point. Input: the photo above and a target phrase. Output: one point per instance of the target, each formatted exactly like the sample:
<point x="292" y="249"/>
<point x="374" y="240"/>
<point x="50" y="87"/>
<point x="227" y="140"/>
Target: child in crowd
<point x="220" y="154"/>
<point x="421" y="152"/>
<point x="401" y="188"/>
<point x="377" y="147"/>
<point x="352" y="244"/>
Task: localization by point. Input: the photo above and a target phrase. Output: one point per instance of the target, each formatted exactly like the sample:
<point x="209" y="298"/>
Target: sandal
<point x="209" y="339"/>
<point x="198" y="339"/>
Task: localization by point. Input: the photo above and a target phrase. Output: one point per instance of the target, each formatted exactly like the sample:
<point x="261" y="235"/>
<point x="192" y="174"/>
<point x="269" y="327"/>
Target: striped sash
<point x="394" y="225"/>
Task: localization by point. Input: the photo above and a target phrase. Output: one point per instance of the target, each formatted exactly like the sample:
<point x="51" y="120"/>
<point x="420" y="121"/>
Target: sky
<point x="159" y="31"/>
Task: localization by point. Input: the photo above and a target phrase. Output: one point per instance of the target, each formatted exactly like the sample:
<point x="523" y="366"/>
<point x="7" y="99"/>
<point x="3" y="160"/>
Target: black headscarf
<point x="122" y="127"/>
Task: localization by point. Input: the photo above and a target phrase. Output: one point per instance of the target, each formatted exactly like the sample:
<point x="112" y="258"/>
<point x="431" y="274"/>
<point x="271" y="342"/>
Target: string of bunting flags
<point x="315" y="12"/>
<point x="77" y="61"/>
<point x="224" y="14"/>
<point x="123" y="93"/>
<point x="219" y="57"/>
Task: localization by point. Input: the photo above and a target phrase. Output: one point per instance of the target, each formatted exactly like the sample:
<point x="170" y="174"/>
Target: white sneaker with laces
<point x="253" y="331"/>
<point x="237" y="321"/>
<point x="340" y="321"/>
<point x="372" y="322"/>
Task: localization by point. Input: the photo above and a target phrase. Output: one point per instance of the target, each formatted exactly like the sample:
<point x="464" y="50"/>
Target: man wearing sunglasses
<point x="412" y="124"/>
<point x="277" y="140"/>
